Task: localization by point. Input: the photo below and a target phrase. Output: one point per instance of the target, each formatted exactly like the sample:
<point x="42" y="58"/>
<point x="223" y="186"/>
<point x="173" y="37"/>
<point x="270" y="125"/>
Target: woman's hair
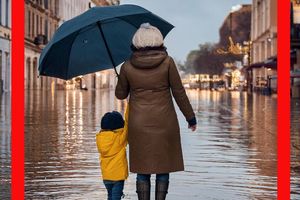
<point x="147" y="36"/>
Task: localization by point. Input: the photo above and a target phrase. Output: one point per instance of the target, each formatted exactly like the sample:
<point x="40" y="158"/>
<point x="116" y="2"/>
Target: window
<point x="263" y="16"/>
<point x="41" y="25"/>
<point x="33" y="26"/>
<point x="29" y="24"/>
<point x="50" y="30"/>
<point x="28" y="72"/>
<point x="0" y="12"/>
<point x="46" y="4"/>
<point x="46" y="28"/>
<point x="263" y="51"/>
<point x="255" y="53"/>
<point x="37" y="25"/>
<point x="269" y="43"/>
<point x="7" y="69"/>
<point x="0" y="65"/>
<point x="56" y="7"/>
<point x="6" y="13"/>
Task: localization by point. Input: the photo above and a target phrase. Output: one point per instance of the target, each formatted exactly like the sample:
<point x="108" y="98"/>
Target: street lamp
<point x="269" y="39"/>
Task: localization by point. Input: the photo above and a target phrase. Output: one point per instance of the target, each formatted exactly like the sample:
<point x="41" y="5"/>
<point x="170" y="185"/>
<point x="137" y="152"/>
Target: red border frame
<point x="17" y="110"/>
<point x="17" y="101"/>
<point x="283" y="112"/>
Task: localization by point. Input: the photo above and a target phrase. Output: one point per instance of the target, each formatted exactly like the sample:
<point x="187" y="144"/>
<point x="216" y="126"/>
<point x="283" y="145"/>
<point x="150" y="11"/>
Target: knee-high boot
<point x="161" y="189"/>
<point x="143" y="190"/>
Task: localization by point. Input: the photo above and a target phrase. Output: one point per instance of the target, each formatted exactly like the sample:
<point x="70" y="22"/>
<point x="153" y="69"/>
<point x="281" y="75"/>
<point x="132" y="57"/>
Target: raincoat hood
<point x="147" y="59"/>
<point x="108" y="138"/>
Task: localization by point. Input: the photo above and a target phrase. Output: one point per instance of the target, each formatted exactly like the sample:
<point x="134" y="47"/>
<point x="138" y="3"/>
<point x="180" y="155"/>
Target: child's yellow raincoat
<point x="112" y="148"/>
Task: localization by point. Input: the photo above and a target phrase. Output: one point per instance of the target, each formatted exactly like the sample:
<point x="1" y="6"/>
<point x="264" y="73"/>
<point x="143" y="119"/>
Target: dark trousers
<point x="146" y="177"/>
<point x="114" y="189"/>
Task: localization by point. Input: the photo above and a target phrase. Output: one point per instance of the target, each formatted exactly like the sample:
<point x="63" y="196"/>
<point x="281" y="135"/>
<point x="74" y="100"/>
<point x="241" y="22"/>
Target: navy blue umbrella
<point x="96" y="40"/>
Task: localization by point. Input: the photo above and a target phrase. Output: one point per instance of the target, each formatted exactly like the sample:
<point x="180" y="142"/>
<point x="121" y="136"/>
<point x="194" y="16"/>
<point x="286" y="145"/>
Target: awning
<point x="270" y="63"/>
<point x="293" y="74"/>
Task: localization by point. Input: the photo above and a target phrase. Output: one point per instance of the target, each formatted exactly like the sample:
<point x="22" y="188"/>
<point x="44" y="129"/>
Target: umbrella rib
<point x="69" y="52"/>
<point x="107" y="48"/>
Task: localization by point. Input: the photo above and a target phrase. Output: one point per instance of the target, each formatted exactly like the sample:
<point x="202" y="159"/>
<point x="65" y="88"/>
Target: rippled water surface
<point x="5" y="145"/>
<point x="232" y="155"/>
<point x="295" y="149"/>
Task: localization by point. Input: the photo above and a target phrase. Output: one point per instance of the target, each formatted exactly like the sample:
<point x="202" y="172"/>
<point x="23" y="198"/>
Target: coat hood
<point x="147" y="59"/>
<point x="107" y="140"/>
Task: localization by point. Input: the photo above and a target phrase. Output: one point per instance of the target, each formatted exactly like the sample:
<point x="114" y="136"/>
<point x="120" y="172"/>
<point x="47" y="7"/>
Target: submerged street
<point x="5" y="141"/>
<point x="232" y="155"/>
<point x="295" y="149"/>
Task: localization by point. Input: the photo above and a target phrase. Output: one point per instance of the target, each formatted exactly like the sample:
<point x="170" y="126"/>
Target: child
<point x="111" y="143"/>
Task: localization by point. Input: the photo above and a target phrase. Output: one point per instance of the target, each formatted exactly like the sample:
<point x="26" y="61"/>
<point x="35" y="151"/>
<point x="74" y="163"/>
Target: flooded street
<point x="295" y="149"/>
<point x="232" y="155"/>
<point x="5" y="142"/>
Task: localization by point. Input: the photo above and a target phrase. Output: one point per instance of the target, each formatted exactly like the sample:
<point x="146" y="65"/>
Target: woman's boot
<point x="161" y="189"/>
<point x="143" y="190"/>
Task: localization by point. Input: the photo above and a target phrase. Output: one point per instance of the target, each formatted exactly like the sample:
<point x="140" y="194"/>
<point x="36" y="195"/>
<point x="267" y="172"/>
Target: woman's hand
<point x="193" y="128"/>
<point x="192" y="123"/>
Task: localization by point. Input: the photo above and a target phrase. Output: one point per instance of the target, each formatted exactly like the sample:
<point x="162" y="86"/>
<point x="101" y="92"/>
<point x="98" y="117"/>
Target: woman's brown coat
<point x="153" y="130"/>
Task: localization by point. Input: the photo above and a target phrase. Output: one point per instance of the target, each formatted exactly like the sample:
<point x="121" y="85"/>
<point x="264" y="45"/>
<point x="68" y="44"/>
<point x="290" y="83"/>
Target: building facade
<point x="5" y="45"/>
<point x="263" y="70"/>
<point x="72" y="8"/>
<point x="42" y="18"/>
<point x="41" y="21"/>
<point x="105" y="2"/>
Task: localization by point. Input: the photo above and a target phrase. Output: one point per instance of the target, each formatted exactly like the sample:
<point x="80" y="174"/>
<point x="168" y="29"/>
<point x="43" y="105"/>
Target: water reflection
<point x="295" y="149"/>
<point x="235" y="146"/>
<point x="5" y="142"/>
<point x="231" y="156"/>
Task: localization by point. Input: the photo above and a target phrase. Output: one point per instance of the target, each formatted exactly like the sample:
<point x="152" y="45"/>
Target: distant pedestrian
<point x="148" y="77"/>
<point x="111" y="142"/>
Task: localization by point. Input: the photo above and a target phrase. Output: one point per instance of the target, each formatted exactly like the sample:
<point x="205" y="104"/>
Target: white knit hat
<point x="147" y="36"/>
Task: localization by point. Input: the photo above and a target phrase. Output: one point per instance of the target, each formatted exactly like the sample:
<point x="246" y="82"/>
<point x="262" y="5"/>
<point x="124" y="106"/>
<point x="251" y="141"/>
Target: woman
<point x="149" y="76"/>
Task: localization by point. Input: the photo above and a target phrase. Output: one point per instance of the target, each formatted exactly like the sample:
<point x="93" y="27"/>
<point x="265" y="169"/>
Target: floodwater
<point x="5" y="142"/>
<point x="232" y="155"/>
<point x="295" y="149"/>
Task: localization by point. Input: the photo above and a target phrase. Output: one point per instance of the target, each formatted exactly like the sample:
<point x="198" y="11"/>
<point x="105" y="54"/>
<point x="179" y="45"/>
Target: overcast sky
<point x="195" y="21"/>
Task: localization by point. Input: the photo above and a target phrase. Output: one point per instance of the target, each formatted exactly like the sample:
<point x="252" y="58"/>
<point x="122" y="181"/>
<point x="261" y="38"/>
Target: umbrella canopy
<point x="96" y="40"/>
